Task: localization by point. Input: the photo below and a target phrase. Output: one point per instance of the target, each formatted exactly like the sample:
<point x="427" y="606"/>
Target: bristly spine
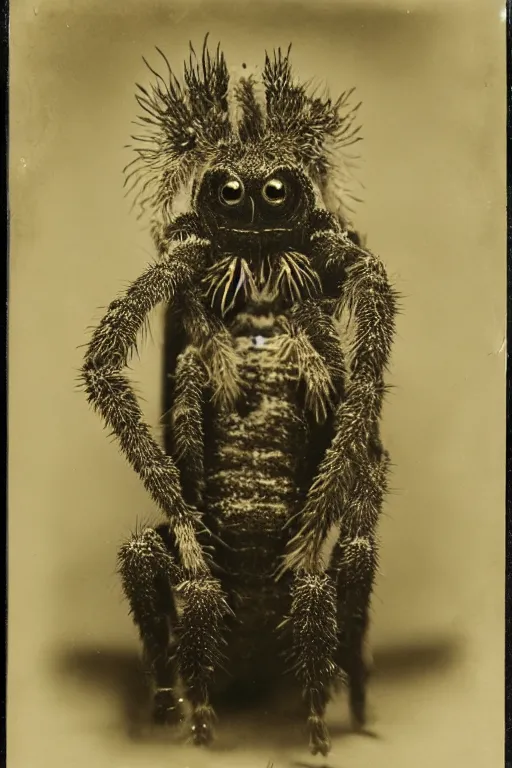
<point x="186" y="123"/>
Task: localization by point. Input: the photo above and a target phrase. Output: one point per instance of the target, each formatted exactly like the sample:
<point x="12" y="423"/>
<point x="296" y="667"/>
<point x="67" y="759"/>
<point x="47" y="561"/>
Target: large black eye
<point x="231" y="192"/>
<point x="274" y="192"/>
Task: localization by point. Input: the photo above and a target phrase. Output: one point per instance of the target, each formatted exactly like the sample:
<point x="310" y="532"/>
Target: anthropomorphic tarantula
<point x="272" y="442"/>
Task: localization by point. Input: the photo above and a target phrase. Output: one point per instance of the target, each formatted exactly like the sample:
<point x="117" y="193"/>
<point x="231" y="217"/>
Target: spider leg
<point x="349" y="483"/>
<point x="365" y="290"/>
<point x="216" y="347"/>
<point x="177" y="230"/>
<point x="313" y="623"/>
<point x="311" y="316"/>
<point x="355" y="560"/>
<point x="200" y="626"/>
<point x="315" y="345"/>
<point x="208" y="331"/>
<point x="330" y="607"/>
<point x="148" y="570"/>
<point x="180" y="625"/>
<point x="199" y="648"/>
<point x="190" y="383"/>
<point x="110" y="392"/>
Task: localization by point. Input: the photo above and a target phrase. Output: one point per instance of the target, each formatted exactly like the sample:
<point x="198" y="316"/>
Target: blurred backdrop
<point x="432" y="80"/>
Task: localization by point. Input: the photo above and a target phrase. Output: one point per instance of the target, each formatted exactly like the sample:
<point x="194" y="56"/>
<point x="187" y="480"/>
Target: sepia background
<point x="431" y="76"/>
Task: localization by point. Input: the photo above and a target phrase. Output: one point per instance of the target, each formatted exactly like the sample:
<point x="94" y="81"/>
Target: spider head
<point x="253" y="199"/>
<point x="256" y="205"/>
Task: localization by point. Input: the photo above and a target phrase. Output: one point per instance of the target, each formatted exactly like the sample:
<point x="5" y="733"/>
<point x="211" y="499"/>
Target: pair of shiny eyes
<point x="232" y="192"/>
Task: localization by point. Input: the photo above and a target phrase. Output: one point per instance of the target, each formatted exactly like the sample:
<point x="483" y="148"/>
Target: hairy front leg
<point x="347" y="474"/>
<point x="111" y="394"/>
<point x="359" y="284"/>
<point x="201" y="324"/>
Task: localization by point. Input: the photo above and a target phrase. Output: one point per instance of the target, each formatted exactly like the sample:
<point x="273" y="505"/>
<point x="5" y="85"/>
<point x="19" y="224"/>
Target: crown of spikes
<point x="186" y="122"/>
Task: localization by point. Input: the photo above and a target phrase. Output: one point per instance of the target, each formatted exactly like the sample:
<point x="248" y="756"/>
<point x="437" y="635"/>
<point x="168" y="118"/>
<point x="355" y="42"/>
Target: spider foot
<point x="166" y="709"/>
<point x="358" y="712"/>
<point x="203" y="718"/>
<point x="319" y="739"/>
<point x="358" y="716"/>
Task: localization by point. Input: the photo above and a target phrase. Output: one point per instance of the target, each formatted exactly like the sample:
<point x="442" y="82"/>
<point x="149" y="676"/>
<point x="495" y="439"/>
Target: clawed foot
<point x="202" y="725"/>
<point x="167" y="710"/>
<point x="319" y="739"/>
<point x="358" y="718"/>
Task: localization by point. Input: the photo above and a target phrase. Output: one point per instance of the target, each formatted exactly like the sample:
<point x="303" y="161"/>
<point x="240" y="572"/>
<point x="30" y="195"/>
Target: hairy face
<point x="255" y="209"/>
<point x="244" y="202"/>
<point x="251" y="146"/>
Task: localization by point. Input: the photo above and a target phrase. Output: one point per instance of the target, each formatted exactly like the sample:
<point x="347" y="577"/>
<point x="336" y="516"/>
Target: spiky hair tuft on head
<point x="186" y="123"/>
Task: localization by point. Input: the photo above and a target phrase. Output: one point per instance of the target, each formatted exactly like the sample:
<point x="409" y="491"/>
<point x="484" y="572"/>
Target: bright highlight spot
<point x="503" y="13"/>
